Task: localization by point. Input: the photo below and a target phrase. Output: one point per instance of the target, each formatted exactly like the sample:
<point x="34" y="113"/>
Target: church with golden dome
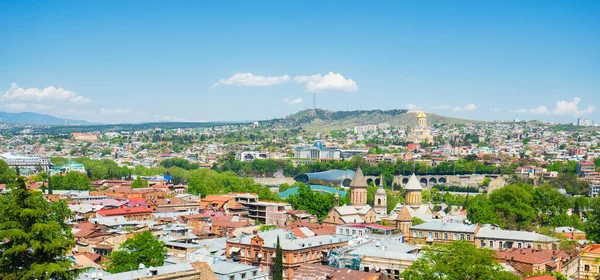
<point x="421" y="132"/>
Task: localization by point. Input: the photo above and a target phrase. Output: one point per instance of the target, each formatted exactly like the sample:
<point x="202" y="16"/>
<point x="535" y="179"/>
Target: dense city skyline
<point x="119" y="62"/>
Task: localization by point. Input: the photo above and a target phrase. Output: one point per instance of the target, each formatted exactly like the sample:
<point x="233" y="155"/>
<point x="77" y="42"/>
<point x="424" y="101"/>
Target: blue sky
<point x="134" y="61"/>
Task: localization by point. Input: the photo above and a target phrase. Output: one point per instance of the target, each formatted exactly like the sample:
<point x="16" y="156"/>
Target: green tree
<point x="458" y="260"/>
<point x="278" y="266"/>
<point x="7" y="174"/>
<point x="551" y="205"/>
<point x="592" y="225"/>
<point x="139" y="182"/>
<point x="316" y="203"/>
<point x="36" y="237"/>
<point x="71" y="181"/>
<point x="142" y="248"/>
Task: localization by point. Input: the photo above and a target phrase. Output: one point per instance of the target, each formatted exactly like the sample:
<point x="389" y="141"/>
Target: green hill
<point x="325" y="120"/>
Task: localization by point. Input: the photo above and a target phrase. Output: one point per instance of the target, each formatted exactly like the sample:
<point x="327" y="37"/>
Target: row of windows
<point x="243" y="275"/>
<point x="588" y="268"/>
<point x="297" y="257"/>
<point x="502" y="244"/>
<point x="445" y="235"/>
<point x="354" y="232"/>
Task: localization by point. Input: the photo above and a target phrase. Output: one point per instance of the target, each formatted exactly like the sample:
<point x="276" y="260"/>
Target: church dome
<point x="413" y="184"/>
<point x="381" y="191"/>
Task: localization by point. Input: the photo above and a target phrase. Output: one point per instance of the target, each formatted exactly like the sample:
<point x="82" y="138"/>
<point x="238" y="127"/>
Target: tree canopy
<point x="36" y="236"/>
<point x="592" y="226"/>
<point x="7" y="174"/>
<point x="142" y="248"/>
<point x="71" y="181"/>
<point x="316" y="203"/>
<point x="139" y="182"/>
<point x="520" y="206"/>
<point x="459" y="260"/>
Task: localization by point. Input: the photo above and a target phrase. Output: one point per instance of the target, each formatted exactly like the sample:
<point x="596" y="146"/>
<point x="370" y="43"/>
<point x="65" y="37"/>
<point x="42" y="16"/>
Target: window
<point x="284" y="258"/>
<point x="436" y="235"/>
<point x="482" y="243"/>
<point x="420" y="234"/>
<point x="254" y="273"/>
<point x="295" y="258"/>
<point x="347" y="231"/>
<point x="429" y="234"/>
<point x="500" y="244"/>
<point x="519" y="245"/>
<point x="586" y="268"/>
<point x="462" y="237"/>
<point x="469" y="237"/>
<point x="491" y="244"/>
<point x="243" y="253"/>
<point x="455" y="236"/>
<point x="243" y="275"/>
<point x="446" y="235"/>
<point x="232" y="277"/>
<point x="353" y="232"/>
<point x="414" y="234"/>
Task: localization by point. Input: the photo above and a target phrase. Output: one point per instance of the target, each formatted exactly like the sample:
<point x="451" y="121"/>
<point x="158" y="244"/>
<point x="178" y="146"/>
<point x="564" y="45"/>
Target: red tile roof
<point x="530" y="256"/>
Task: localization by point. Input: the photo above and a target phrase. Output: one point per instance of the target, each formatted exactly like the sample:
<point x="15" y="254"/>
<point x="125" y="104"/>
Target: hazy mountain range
<point x="38" y="119"/>
<point x="309" y="119"/>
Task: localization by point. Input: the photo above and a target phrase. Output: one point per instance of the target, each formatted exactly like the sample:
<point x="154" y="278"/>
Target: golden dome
<point x="421" y="115"/>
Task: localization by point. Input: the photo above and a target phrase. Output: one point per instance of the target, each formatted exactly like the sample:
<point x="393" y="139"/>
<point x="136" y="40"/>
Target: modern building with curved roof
<point x="318" y="188"/>
<point x="330" y="177"/>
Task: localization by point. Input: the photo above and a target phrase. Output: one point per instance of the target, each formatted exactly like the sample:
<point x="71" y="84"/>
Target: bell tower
<point x="358" y="190"/>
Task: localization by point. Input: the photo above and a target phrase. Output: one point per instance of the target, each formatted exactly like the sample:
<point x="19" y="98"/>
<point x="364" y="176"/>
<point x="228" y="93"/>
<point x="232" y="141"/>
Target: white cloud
<point x="495" y="110"/>
<point x="329" y="82"/>
<point x="571" y="108"/>
<point x="247" y="79"/>
<point x="563" y="108"/>
<point x="50" y="93"/>
<point x="441" y="107"/>
<point x="43" y="106"/>
<point x="470" y="107"/>
<point x="411" y="106"/>
<point x="293" y="101"/>
<point x="114" y="111"/>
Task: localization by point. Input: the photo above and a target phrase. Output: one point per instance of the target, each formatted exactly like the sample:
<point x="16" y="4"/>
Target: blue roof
<point x="319" y="188"/>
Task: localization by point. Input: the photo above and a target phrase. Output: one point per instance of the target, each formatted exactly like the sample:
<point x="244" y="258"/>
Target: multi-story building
<point x="70" y="166"/>
<point x="33" y="163"/>
<point x="589" y="266"/>
<point x="530" y="171"/>
<point x="385" y="255"/>
<point x="84" y="137"/>
<point x="533" y="261"/>
<point x="269" y="213"/>
<point x="259" y="249"/>
<point x="225" y="204"/>
<point x="587" y="171"/>
<point x="442" y="232"/>
<point x="595" y="188"/>
<point x="317" y="153"/>
<point x="492" y="237"/>
<point x="131" y="214"/>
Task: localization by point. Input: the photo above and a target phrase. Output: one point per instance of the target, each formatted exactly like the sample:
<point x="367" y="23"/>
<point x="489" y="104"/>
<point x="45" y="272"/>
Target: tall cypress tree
<point x="36" y="237"/>
<point x="278" y="267"/>
<point x="49" y="185"/>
